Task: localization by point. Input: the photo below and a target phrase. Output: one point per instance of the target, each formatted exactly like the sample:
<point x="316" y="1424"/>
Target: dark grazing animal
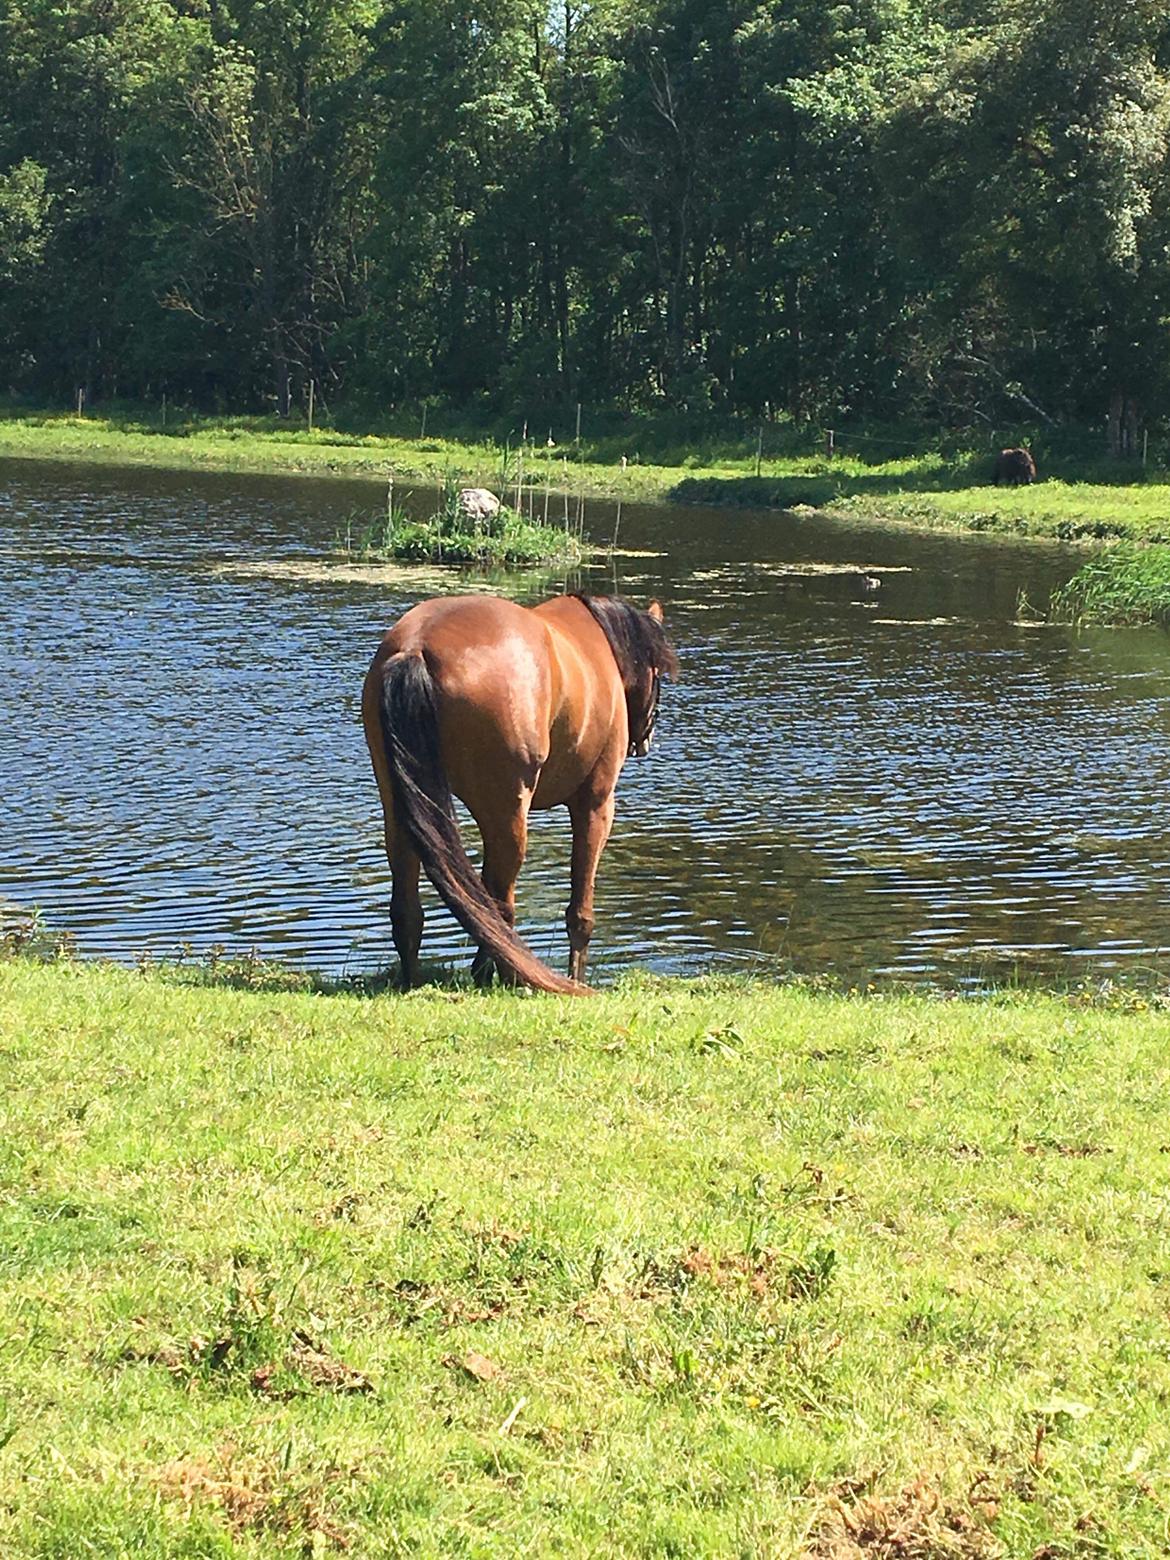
<point x="507" y="708"/>
<point x="1014" y="467"/>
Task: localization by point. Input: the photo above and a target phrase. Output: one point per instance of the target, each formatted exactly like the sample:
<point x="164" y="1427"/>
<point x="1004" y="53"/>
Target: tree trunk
<point x="1131" y="428"/>
<point x="1124" y="425"/>
<point x="1116" y="407"/>
<point x="564" y="185"/>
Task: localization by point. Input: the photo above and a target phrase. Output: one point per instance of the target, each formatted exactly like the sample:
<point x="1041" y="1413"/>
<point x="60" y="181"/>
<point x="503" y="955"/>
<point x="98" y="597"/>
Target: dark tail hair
<point x="424" y="808"/>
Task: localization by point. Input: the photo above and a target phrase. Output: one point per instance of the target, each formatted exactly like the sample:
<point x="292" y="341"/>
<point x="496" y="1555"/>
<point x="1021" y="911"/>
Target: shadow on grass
<point x="250" y="972"/>
<point x="25" y="937"/>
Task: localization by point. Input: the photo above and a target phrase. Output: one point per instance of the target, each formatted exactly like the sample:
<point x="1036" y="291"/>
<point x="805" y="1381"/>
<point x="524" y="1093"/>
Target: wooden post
<point x="310" y="405"/>
<point x="578" y="434"/>
<point x="1145" y="444"/>
<point x="759" y="448"/>
<point x="829" y="444"/>
<point x="164" y="409"/>
<point x="80" y="400"/>
<point x="423" y="430"/>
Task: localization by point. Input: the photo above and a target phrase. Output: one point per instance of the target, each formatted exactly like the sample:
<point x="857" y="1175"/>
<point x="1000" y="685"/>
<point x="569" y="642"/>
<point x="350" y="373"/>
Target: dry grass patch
<point x="917" y="1523"/>
<point x="255" y="1495"/>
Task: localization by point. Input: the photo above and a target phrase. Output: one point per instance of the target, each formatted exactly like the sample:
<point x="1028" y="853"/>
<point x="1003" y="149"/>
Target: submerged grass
<point x="692" y="1268"/>
<point x="1120" y="585"/>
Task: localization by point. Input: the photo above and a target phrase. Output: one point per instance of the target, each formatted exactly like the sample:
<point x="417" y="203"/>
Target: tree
<point x="1027" y="177"/>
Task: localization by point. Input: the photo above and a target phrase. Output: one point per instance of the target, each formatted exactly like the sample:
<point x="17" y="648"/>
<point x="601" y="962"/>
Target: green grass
<point x="689" y="1269"/>
<point x="1120" y="585"/>
<point x="257" y="444"/>
<point x="1060" y="510"/>
<point x="888" y="479"/>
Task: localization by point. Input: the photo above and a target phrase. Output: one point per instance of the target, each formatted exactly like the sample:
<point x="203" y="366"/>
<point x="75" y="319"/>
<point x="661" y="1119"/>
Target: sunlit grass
<point x="1119" y="585"/>
<point x="1082" y="495"/>
<point x="698" y="1269"/>
<point x="1067" y="511"/>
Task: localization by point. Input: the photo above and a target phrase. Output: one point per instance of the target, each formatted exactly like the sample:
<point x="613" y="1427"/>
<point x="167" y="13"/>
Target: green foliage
<point x="1119" y="585"/>
<point x="508" y="539"/>
<point x="955" y="210"/>
<point x="24" y="213"/>
<point x="1028" y="172"/>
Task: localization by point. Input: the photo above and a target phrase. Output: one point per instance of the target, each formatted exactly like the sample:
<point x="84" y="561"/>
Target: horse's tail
<point x="424" y="808"/>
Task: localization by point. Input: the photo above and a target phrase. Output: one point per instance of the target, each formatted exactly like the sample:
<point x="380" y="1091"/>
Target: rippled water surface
<point x="868" y="768"/>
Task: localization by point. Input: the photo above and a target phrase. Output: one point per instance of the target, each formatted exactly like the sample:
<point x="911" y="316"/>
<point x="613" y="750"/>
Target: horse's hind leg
<point x="406" y="914"/>
<point x="505" y="841"/>
<point x="592" y="819"/>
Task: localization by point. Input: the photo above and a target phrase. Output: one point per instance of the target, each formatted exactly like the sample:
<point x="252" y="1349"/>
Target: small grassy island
<point x="469" y="527"/>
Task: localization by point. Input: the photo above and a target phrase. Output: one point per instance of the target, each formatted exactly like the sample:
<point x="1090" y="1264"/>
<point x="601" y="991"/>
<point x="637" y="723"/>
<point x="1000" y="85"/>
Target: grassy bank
<point x="257" y="444"/>
<point x="697" y="1269"/>
<point x="1121" y="585"/>
<point x="868" y="479"/>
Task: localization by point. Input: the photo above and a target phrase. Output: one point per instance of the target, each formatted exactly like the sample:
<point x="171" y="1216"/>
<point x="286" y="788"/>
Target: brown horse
<point x="507" y="708"/>
<point x="1014" y="467"/>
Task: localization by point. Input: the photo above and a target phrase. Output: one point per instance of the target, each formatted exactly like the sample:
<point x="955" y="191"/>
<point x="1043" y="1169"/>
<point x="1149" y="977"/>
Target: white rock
<point x="478" y="504"/>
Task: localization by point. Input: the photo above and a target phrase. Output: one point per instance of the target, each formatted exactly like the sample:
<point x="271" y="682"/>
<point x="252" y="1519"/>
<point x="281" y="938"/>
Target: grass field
<point x="711" y="1269"/>
<point x="1082" y="496"/>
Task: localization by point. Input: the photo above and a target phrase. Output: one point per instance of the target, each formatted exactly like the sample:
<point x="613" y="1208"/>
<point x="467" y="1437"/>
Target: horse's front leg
<point x="592" y="819"/>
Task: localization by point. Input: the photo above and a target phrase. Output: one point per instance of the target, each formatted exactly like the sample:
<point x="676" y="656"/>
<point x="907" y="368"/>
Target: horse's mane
<point x="638" y="641"/>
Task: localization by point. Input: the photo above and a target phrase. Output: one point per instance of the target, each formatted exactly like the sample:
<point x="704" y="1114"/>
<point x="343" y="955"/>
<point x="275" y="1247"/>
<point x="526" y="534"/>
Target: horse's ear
<point x="655" y="611"/>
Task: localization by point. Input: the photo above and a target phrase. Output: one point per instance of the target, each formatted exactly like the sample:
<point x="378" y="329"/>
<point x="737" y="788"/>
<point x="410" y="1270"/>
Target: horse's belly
<point x="556" y="785"/>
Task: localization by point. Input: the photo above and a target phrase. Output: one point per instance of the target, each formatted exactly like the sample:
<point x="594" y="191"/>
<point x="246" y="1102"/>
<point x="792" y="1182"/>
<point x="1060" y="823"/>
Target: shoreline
<point x="937" y="497"/>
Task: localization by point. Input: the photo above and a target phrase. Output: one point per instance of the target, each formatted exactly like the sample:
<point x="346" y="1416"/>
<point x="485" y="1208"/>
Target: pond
<point x="868" y="769"/>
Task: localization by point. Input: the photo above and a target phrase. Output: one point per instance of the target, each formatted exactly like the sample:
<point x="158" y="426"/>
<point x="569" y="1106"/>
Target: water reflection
<point x="867" y="768"/>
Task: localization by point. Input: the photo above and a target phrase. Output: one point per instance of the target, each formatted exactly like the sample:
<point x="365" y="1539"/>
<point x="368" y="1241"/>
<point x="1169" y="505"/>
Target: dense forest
<point x="954" y="209"/>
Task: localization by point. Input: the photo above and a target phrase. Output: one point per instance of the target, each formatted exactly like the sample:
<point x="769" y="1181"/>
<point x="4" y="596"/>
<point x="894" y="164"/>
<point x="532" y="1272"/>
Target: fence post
<point x="759" y="448"/>
<point x="310" y="405"/>
<point x="829" y="444"/>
